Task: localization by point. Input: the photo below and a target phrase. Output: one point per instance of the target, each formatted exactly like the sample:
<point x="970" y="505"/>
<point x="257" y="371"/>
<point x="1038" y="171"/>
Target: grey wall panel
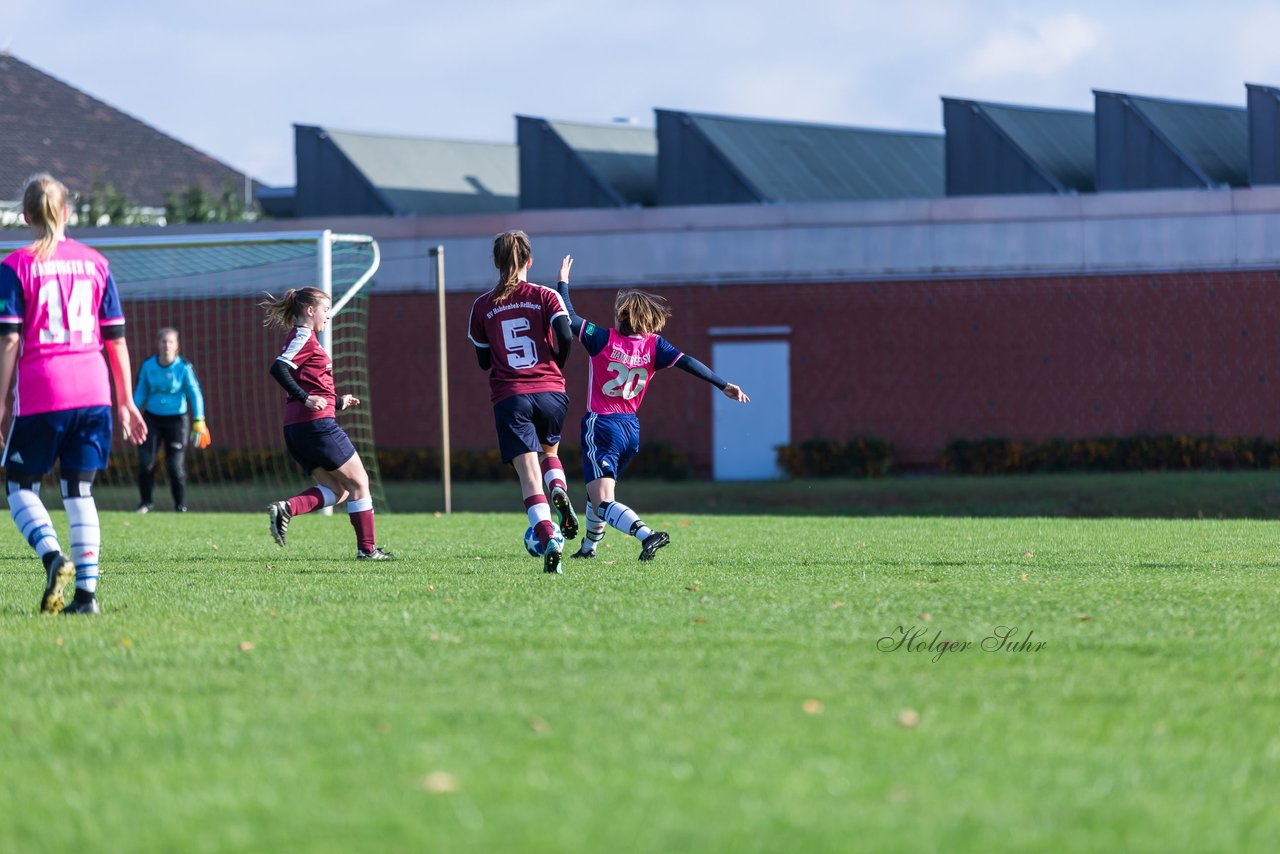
<point x="328" y="184"/>
<point x="981" y="161"/>
<point x="691" y="171"/>
<point x="1264" y="134"/>
<point x="552" y="175"/>
<point x="1131" y="156"/>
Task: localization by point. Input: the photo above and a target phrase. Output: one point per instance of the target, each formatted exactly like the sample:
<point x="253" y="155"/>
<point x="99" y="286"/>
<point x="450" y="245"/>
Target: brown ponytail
<point x="284" y="311"/>
<point x="44" y="204"/>
<point x="511" y="254"/>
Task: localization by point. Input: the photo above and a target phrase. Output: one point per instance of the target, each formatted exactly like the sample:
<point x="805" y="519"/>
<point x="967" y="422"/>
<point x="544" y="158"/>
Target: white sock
<point x="326" y="495"/>
<point x="86" y="540"/>
<point x="594" y="532"/>
<point x="539" y="512"/>
<point x="625" y="520"/>
<point x="32" y="519"/>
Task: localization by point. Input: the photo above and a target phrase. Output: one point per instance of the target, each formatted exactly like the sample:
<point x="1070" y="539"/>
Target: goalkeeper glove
<point x="200" y="434"/>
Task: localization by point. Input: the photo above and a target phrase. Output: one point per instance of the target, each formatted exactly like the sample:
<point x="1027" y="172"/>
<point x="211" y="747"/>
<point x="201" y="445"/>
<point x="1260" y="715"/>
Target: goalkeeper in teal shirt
<point x="169" y="396"/>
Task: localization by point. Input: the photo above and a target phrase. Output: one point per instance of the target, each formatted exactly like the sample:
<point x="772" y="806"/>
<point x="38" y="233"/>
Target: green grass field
<point x="734" y="695"/>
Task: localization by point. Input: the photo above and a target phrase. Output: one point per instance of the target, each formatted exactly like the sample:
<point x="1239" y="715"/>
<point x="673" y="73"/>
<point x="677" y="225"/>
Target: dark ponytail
<point x="511" y="254"/>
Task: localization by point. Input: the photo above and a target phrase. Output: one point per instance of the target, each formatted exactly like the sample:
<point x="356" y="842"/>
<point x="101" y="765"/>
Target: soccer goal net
<point x="208" y="288"/>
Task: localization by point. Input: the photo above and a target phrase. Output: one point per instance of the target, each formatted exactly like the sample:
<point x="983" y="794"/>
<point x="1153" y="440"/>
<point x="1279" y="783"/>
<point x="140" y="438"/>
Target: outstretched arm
<point x="575" y="320"/>
<point x="691" y="365"/>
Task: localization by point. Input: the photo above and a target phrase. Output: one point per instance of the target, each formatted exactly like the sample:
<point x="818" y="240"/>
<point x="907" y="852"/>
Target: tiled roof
<point x="47" y="125"/>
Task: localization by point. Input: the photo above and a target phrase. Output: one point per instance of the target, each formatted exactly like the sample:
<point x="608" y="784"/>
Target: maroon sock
<point x="544" y="531"/>
<point x="542" y="528"/>
<point x="362" y="521"/>
<point x="306" y="501"/>
<point x="552" y="463"/>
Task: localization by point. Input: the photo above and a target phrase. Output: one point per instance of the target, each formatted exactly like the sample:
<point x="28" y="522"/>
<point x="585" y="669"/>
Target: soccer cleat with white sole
<point x="551" y="562"/>
<point x="374" y="554"/>
<point x="278" y="513"/>
<point x="59" y="573"/>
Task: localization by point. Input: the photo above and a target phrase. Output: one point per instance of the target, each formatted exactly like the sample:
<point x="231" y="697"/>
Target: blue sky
<point x="232" y="77"/>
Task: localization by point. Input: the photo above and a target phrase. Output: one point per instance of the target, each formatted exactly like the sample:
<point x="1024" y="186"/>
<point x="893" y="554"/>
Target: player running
<point x="169" y="396"/>
<point x="58" y="307"/>
<point x="522" y="338"/>
<point x="623" y="362"/>
<point x="311" y="431"/>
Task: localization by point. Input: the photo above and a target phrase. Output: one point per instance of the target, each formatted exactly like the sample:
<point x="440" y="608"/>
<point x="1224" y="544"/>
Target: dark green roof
<point x="1212" y="137"/>
<point x="1060" y="142"/>
<point x="799" y="162"/>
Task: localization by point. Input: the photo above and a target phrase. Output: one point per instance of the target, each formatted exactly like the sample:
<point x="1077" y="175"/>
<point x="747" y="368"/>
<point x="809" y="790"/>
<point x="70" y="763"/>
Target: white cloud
<point x="1042" y="49"/>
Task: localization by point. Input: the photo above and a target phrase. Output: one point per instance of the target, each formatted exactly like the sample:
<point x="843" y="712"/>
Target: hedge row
<point x="1134" y="453"/>
<point x="830" y="458"/>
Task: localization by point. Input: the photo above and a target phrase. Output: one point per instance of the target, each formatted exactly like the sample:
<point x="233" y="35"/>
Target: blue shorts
<point x="319" y="444"/>
<point x="608" y="444"/>
<point x="526" y="422"/>
<point x="80" y="439"/>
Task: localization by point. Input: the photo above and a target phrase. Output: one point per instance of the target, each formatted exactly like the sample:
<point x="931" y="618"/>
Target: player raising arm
<point x="522" y="338"/>
<point x="58" y="306"/>
<point x="311" y="432"/>
<point x="623" y="362"/>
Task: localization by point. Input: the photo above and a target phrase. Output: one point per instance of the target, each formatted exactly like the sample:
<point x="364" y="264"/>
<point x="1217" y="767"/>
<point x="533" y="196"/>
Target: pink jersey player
<point x="59" y="311"/>
<point x="62" y="302"/>
<point x="622" y="367"/>
<point x="623" y="362"/>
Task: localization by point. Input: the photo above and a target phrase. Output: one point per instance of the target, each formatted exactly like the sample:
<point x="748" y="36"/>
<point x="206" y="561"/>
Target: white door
<point x="745" y="436"/>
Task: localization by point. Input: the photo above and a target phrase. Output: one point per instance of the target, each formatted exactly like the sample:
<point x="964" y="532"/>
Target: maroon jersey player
<point x="311" y="431"/>
<point x="521" y="334"/>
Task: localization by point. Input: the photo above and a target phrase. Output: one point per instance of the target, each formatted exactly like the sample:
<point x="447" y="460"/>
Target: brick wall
<point x="915" y="362"/>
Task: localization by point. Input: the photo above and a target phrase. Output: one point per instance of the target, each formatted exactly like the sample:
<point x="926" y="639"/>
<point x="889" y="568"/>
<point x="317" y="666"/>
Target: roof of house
<point x="47" y="125"/>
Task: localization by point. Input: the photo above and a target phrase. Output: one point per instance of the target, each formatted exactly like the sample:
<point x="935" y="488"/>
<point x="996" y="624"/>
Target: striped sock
<point x="553" y="473"/>
<point x="594" y="530"/>
<point x="86" y="540"/>
<point x="539" y="510"/>
<point x="32" y="519"/>
<point x="360" y="511"/>
<point x="624" y="519"/>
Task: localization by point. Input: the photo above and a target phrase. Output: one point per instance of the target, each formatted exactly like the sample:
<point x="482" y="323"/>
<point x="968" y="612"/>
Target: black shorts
<point x="319" y="444"/>
<point x="526" y="422"/>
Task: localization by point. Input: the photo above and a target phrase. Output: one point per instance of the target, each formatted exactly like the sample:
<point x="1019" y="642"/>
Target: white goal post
<point x="208" y="287"/>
